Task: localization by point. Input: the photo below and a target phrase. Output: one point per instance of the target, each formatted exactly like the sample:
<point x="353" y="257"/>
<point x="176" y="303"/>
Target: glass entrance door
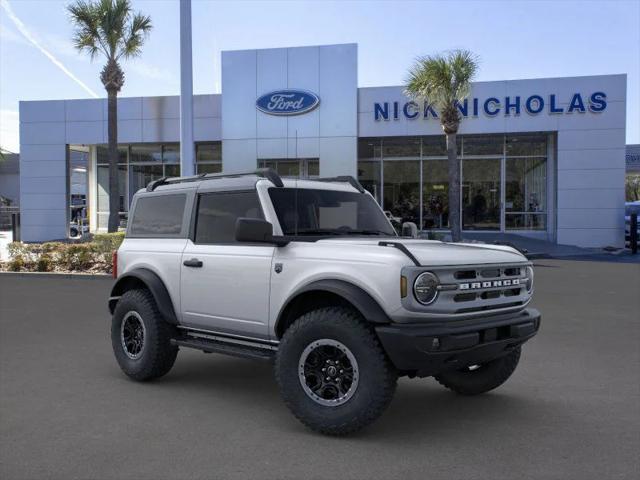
<point x="481" y="194"/>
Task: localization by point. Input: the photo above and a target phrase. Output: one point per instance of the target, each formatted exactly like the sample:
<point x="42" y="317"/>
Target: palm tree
<point x="445" y="81"/>
<point x="112" y="29"/>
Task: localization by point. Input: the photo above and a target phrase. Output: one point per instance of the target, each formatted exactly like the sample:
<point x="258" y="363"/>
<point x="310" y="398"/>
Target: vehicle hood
<point x="435" y="253"/>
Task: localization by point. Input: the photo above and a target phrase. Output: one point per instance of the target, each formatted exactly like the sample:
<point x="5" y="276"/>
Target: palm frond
<point x="108" y="27"/>
<point x="139" y="29"/>
<point x="442" y="80"/>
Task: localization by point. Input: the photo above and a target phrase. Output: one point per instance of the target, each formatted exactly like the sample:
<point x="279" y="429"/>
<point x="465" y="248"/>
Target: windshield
<point x="328" y="212"/>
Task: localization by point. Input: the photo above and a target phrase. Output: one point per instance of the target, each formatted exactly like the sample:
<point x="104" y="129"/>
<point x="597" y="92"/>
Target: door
<point x="225" y="284"/>
<point x="482" y="194"/>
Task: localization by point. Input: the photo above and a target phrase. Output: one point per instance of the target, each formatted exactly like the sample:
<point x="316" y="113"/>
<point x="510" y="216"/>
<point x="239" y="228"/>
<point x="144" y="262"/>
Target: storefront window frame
<point x="543" y="136"/>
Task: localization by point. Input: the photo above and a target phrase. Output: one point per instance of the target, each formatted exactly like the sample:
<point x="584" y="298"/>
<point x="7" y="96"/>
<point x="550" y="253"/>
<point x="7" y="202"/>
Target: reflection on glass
<point x="525" y="193"/>
<point x="481" y="194"/>
<point x="526" y="144"/>
<point x="313" y="168"/>
<point x="369" y="177"/>
<point x="208" y="168"/>
<point x="102" y="154"/>
<point x="483" y="144"/>
<point x="397" y="147"/>
<point x="435" y="194"/>
<point x="208" y="152"/>
<point x="402" y="190"/>
<point x="433" y="146"/>
<point x="141" y="175"/>
<point x="146" y="153"/>
<point x="171" y="153"/>
<point x="103" y="188"/>
<point x="369" y="148"/>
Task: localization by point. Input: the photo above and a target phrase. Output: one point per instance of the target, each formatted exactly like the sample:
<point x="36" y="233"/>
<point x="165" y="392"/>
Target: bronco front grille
<point x="474" y="288"/>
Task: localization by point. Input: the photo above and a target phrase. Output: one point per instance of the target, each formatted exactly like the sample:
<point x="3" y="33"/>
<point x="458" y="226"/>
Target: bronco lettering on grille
<point x="489" y="284"/>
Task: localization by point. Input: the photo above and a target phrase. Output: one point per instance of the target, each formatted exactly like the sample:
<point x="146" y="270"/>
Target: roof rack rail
<point x="343" y="179"/>
<point x="267" y="173"/>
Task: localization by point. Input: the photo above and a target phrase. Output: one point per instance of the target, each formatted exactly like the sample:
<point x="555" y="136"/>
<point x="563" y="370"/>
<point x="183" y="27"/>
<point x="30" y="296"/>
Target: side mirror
<point x="256" y="230"/>
<point x="409" y="229"/>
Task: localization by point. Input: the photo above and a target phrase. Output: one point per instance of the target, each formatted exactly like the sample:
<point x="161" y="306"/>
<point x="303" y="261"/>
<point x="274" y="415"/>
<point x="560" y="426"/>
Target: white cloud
<point x="151" y="72"/>
<point x="22" y="28"/>
<point x="9" y="130"/>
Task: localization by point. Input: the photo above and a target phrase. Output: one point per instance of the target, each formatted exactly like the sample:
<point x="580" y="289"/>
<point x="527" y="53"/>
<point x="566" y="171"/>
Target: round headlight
<point x="425" y="288"/>
<point x="529" y="279"/>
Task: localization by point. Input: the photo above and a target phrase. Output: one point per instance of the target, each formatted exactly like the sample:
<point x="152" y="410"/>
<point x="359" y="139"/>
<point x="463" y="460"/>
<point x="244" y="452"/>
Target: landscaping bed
<point x="85" y="256"/>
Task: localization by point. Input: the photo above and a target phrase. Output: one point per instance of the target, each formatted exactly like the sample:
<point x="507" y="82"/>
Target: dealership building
<point x="543" y="158"/>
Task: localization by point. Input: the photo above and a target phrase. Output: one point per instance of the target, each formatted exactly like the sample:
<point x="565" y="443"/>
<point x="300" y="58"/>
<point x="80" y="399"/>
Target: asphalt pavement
<point x="570" y="411"/>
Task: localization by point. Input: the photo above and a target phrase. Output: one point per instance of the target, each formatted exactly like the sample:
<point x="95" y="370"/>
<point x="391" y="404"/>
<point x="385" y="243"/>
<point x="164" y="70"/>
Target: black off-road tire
<point x="486" y="377"/>
<point x="158" y="355"/>
<point x="377" y="376"/>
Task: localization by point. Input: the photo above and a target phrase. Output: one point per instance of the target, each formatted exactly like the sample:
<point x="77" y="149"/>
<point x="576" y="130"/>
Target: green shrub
<point x="16" y="264"/>
<point x="107" y="242"/>
<point x="44" y="263"/>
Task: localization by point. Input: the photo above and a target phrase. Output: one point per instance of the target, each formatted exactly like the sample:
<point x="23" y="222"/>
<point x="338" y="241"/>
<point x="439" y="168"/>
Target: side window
<point x="158" y="215"/>
<point x="218" y="212"/>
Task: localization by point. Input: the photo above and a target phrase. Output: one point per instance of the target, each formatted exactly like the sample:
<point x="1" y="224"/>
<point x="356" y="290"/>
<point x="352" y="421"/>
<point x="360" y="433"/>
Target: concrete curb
<point x="75" y="276"/>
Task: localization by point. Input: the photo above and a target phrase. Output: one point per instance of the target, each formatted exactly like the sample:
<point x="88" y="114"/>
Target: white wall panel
<point x="129" y="131"/>
<point x="35" y="153"/>
<point x="339" y="89"/>
<point x="239" y="155"/>
<point x="591" y="237"/>
<point x="591" y="139"/>
<point x="160" y="107"/>
<point x="85" y="133"/>
<point x="591" y="218"/>
<point x="239" y="99"/>
<point x="337" y="156"/>
<point x="161" y="130"/>
<point x="271" y="74"/>
<point x="207" y="106"/>
<point x="207" y="129"/>
<point x="43" y="169"/>
<point x="87" y="110"/>
<point x="42" y="133"/>
<point x="595" y="179"/>
<point x="42" y="233"/>
<point x="303" y="72"/>
<point x="590" y="198"/>
<point x="42" y="111"/>
<point x="591" y="159"/>
<point x="129" y="108"/>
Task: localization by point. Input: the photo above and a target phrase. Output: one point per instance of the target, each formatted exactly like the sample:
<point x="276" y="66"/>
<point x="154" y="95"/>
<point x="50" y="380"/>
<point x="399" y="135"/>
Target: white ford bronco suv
<point x="311" y="275"/>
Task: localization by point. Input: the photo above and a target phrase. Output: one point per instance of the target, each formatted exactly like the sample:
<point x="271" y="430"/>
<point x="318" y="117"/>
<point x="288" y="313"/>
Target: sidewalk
<point x="542" y="249"/>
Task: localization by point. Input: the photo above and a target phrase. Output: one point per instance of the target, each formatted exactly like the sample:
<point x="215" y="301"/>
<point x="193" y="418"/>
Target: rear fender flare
<point x="144" y="278"/>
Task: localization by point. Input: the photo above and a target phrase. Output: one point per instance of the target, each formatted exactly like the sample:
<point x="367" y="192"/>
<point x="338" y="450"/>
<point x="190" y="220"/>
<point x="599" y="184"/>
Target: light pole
<point x="187" y="148"/>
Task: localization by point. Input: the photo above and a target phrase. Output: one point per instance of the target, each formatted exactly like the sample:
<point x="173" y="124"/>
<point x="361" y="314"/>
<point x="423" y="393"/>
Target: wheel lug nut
<point x="328" y="379"/>
<point x="324" y="369"/>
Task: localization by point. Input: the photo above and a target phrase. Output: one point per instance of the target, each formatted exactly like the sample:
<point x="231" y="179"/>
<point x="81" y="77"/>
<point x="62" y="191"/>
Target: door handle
<point x="194" y="262"/>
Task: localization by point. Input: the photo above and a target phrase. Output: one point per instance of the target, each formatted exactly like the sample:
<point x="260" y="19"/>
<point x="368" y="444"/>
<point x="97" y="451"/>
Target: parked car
<point x="311" y="276"/>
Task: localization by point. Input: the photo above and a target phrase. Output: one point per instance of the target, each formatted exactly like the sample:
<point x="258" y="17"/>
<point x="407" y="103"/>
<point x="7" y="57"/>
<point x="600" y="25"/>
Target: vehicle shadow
<point x="420" y="407"/>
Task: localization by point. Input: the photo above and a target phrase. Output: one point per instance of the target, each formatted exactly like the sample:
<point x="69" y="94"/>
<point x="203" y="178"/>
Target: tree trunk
<point x="114" y="194"/>
<point x="454" y="187"/>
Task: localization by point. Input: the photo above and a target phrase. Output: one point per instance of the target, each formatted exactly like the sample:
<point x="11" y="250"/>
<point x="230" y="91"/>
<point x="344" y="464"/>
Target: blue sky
<point x="513" y="40"/>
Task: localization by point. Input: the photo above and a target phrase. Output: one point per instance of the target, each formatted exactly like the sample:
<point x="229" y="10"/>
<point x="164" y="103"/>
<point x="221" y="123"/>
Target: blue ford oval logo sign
<point x="287" y="102"/>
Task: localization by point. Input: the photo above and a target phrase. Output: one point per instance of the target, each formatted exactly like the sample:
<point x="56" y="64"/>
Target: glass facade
<point x="503" y="177"/>
<point x="292" y="167"/>
<point x="139" y="164"/>
<point x="503" y="180"/>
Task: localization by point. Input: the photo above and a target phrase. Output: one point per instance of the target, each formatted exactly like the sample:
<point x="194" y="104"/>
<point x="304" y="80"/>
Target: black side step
<point x="215" y="346"/>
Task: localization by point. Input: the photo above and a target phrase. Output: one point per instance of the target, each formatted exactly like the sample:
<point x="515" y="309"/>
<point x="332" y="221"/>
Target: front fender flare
<point x="356" y="296"/>
<point x="152" y="282"/>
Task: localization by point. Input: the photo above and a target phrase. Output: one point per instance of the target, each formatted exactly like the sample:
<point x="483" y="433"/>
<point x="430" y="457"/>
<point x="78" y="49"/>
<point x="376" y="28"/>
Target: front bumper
<point x="429" y="349"/>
